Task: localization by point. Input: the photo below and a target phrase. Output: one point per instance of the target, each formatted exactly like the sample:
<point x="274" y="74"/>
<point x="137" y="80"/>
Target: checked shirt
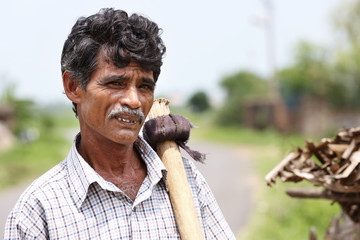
<point x="72" y="201"/>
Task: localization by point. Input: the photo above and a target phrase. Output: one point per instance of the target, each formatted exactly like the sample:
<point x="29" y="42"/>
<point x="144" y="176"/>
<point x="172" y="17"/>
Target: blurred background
<point x="258" y="77"/>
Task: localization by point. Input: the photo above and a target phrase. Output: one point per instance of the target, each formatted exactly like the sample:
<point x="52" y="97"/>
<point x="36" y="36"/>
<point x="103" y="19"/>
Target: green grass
<point x="275" y="216"/>
<point x="29" y="160"/>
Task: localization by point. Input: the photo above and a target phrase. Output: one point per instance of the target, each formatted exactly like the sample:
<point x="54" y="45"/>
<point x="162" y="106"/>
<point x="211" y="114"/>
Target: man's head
<point x="116" y="37"/>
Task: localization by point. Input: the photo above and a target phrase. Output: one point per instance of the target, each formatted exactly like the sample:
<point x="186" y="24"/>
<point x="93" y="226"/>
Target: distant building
<point x="310" y="116"/>
<point x="7" y="115"/>
<point x="7" y="122"/>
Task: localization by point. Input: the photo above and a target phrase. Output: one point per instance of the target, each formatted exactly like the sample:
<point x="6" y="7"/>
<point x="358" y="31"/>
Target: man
<point x="112" y="185"/>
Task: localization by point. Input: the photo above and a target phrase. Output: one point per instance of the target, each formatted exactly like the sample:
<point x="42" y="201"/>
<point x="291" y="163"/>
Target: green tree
<point x="346" y="22"/>
<point x="333" y="75"/>
<point x="199" y="102"/>
<point x="309" y="75"/>
<point x="240" y="87"/>
<point x="346" y="76"/>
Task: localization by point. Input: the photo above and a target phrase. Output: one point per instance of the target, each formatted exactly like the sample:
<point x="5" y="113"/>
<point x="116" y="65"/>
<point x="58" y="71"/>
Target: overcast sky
<point x="205" y="39"/>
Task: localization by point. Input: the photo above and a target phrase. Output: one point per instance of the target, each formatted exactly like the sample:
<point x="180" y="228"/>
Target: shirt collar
<point x="82" y="175"/>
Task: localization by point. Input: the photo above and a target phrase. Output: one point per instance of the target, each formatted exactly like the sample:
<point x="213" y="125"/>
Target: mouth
<point x="128" y="121"/>
<point x="127" y="115"/>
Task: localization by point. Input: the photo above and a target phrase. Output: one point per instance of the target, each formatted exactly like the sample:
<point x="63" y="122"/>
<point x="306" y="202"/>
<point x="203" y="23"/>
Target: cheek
<point x="147" y="98"/>
<point x="147" y="103"/>
<point x="90" y="110"/>
<point x="97" y="104"/>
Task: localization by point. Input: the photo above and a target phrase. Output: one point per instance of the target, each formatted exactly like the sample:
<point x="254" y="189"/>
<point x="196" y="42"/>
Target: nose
<point x="131" y="98"/>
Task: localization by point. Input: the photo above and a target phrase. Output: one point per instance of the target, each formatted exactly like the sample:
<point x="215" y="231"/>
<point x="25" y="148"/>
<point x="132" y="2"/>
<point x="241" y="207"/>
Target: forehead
<point x="105" y="67"/>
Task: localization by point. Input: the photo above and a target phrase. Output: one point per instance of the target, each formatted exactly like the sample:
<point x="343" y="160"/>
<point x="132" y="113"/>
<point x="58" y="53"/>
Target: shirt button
<point x="134" y="209"/>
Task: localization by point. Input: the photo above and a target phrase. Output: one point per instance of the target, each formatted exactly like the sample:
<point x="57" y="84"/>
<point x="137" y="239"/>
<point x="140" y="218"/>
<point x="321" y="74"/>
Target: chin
<point x="125" y="138"/>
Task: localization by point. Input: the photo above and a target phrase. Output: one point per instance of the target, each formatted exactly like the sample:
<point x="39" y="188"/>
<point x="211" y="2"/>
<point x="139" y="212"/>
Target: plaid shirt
<point x="72" y="201"/>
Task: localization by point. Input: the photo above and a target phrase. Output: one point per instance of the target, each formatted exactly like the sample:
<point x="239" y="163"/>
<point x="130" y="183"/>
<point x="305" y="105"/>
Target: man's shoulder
<point x="56" y="176"/>
<point x="193" y="174"/>
<point x="29" y="210"/>
<point x="190" y="167"/>
<point x="197" y="182"/>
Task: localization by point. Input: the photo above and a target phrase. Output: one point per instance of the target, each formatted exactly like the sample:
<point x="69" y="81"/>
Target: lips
<point x="127" y="115"/>
<point x="128" y="119"/>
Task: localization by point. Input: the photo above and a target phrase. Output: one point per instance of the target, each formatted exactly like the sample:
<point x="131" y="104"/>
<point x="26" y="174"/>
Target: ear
<point x="72" y="87"/>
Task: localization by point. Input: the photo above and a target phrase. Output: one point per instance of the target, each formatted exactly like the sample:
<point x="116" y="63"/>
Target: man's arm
<point x="26" y="221"/>
<point x="214" y="223"/>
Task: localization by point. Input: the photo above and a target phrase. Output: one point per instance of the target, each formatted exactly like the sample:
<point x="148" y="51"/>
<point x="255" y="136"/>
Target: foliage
<point x="199" y="102"/>
<point x="346" y="67"/>
<point x="346" y="78"/>
<point x="346" y="21"/>
<point x="332" y="75"/>
<point x="239" y="87"/>
<point x="317" y="73"/>
<point x="308" y="76"/>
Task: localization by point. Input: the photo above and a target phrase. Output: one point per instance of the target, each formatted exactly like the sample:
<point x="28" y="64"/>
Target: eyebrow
<point x="148" y="81"/>
<point x="124" y="78"/>
<point x="114" y="78"/>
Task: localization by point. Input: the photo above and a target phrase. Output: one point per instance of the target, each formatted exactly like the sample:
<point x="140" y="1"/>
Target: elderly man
<point x="112" y="185"/>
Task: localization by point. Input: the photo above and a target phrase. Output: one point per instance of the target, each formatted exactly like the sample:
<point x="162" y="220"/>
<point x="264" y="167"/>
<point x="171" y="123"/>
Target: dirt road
<point x="228" y="171"/>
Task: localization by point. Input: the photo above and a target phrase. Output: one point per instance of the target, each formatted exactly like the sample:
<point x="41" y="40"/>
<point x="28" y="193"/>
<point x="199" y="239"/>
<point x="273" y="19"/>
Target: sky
<point x="205" y="39"/>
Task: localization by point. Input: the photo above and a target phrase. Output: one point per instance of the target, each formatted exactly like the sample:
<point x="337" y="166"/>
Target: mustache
<point x="127" y="110"/>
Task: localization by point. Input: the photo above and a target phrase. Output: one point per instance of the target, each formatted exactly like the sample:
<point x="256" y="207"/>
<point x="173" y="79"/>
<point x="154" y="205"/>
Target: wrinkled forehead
<point x="133" y="68"/>
<point x="121" y="57"/>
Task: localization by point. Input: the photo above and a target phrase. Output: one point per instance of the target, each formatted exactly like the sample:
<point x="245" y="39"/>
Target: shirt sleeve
<point x="214" y="223"/>
<point x="26" y="221"/>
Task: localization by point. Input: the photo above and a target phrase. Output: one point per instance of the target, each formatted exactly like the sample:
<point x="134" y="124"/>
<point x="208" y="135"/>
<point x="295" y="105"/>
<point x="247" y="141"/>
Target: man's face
<point x="109" y="90"/>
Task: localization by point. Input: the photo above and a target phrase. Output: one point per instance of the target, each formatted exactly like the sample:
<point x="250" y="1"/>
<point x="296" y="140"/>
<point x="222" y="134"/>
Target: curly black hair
<point x="119" y="37"/>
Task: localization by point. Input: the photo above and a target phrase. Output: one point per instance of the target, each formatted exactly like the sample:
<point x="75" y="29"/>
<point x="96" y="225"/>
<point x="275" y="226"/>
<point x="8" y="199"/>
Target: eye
<point x="115" y="84"/>
<point x="147" y="87"/>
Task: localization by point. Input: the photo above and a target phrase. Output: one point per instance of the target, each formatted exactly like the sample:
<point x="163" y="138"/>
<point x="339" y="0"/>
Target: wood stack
<point x="332" y="165"/>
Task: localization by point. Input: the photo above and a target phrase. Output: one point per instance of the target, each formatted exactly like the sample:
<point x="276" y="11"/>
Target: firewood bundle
<point x="333" y="164"/>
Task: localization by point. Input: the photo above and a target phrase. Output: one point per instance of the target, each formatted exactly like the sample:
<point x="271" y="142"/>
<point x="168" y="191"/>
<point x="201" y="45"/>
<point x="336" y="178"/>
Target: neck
<point x="116" y="163"/>
<point x="107" y="156"/>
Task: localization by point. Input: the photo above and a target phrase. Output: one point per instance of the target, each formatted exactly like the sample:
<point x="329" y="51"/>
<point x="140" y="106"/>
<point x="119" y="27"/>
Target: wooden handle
<point x="177" y="183"/>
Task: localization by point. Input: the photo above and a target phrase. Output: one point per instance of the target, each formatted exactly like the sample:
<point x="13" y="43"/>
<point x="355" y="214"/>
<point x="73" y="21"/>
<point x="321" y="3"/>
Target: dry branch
<point x="332" y="164"/>
<point x="323" y="194"/>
